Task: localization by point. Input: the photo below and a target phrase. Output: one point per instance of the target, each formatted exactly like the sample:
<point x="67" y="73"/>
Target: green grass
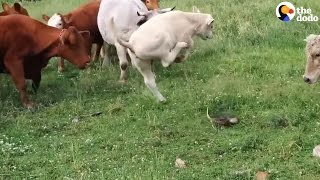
<point x="252" y="68"/>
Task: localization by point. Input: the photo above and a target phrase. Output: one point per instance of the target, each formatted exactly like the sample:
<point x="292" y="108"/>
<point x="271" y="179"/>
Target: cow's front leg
<point x="16" y="70"/>
<point x="172" y="54"/>
<point x="184" y="53"/>
<point x="61" y="65"/>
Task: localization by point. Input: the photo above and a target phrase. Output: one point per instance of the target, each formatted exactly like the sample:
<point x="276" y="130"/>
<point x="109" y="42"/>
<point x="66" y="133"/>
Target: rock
<point x="75" y="120"/>
<point x="180" y="163"/>
<point x="316" y="151"/>
<point x="262" y="175"/>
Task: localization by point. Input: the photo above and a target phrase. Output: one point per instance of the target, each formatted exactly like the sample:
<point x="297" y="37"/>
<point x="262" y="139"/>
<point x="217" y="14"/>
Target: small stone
<point x="261" y="175"/>
<point x="316" y="151"/>
<point x="180" y="163"/>
<point x="233" y="120"/>
<point x="75" y="120"/>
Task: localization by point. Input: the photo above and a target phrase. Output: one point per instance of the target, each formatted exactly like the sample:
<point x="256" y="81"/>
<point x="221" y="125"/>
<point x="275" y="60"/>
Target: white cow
<point x="169" y="39"/>
<point x="127" y="16"/>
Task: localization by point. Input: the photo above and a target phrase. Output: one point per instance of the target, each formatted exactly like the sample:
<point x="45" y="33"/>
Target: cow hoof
<point x="60" y="69"/>
<point x="180" y="59"/>
<point x="182" y="45"/>
<point x="163" y="100"/>
<point x="124" y="81"/>
<point x="165" y="64"/>
<point x="29" y="105"/>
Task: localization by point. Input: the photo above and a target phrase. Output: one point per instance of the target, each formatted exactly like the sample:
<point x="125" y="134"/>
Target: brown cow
<point x="15" y="9"/>
<point x="83" y="18"/>
<point x="26" y="45"/>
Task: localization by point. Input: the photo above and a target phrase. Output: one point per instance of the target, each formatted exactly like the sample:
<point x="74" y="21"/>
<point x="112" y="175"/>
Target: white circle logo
<point x="285" y="11"/>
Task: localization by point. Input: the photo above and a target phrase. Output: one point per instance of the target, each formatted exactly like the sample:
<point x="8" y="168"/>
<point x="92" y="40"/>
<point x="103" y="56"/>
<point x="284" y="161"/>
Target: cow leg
<point x="36" y="82"/>
<point x="106" y="61"/>
<point x="97" y="52"/>
<point x="16" y="70"/>
<point x="149" y="78"/>
<point x="182" y="57"/>
<point x="184" y="53"/>
<point x="123" y="61"/>
<point x="102" y="51"/>
<point x="171" y="56"/>
<point x="61" y="65"/>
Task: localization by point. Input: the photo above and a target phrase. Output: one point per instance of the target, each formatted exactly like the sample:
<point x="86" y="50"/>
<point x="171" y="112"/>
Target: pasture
<point x="252" y="68"/>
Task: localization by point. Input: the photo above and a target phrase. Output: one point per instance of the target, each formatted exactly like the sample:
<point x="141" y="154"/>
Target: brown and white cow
<point x="15" y="9"/>
<point x="26" y="45"/>
<point x="83" y="18"/>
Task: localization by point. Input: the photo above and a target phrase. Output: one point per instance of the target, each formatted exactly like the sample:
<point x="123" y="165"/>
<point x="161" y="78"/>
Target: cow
<point x="127" y="15"/>
<point x="168" y="44"/>
<point x="83" y="18"/>
<point x="15" y="9"/>
<point x="312" y="71"/>
<point x="26" y="45"/>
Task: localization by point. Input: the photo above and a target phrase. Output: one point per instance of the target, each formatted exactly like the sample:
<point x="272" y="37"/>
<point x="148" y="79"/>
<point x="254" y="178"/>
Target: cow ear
<point x="85" y="34"/>
<point x="195" y="9"/>
<point x="45" y="17"/>
<point x="66" y="18"/>
<point x="5" y="6"/>
<point x="17" y="7"/>
<point x="311" y="37"/>
<point x="161" y="11"/>
<point x="72" y="35"/>
<point x="209" y="21"/>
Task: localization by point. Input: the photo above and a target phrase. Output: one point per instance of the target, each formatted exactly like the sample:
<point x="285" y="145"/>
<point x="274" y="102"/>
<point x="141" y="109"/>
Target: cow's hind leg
<point x="123" y="61"/>
<point x="61" y="65"/>
<point x="144" y="68"/>
<point x="16" y="70"/>
<point x="172" y="54"/>
<point x="96" y="54"/>
<point x="107" y="57"/>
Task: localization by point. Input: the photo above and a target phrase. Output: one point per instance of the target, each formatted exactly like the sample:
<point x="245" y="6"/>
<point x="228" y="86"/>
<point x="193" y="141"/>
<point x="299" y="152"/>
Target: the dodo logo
<point x="285" y="11"/>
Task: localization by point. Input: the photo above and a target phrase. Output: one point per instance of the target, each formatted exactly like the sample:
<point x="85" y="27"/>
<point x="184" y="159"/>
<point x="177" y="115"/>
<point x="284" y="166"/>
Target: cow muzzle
<point x="310" y="80"/>
<point x="307" y="80"/>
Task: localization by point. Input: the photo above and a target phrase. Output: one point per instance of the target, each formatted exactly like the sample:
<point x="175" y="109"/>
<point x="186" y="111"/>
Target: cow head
<point x="151" y="13"/>
<point x="56" y="20"/>
<point x="205" y="29"/>
<point x="312" y="71"/>
<point x="151" y="4"/>
<point x="15" y="9"/>
<point x="75" y="46"/>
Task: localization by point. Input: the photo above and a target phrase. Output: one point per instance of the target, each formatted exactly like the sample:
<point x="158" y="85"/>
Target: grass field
<point x="252" y="68"/>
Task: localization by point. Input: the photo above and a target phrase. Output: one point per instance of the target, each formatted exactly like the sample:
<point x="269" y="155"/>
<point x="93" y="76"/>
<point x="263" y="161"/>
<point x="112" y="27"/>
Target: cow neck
<point x="54" y="48"/>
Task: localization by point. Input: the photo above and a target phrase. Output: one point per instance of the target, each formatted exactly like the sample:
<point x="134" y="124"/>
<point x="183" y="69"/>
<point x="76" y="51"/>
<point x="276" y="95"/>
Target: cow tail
<point x="118" y="38"/>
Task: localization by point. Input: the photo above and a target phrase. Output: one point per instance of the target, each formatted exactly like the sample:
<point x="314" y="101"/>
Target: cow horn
<point x="141" y="14"/>
<point x="166" y="10"/>
<point x="210" y="118"/>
